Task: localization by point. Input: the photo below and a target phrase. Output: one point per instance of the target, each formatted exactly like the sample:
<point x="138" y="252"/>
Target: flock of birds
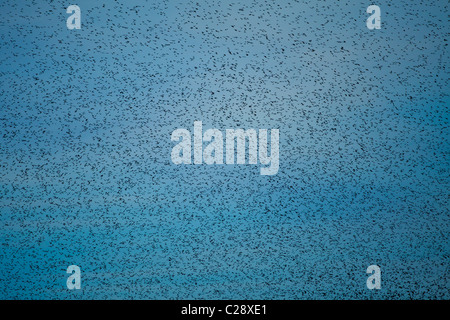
<point x="85" y="171"/>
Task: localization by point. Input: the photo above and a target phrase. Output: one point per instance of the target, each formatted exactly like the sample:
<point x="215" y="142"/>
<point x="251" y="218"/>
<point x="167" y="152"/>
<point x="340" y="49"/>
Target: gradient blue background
<point x="86" y="176"/>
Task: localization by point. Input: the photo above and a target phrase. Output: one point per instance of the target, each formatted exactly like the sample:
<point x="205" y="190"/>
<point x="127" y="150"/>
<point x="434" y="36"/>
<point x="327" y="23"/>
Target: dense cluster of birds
<point x="85" y="170"/>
